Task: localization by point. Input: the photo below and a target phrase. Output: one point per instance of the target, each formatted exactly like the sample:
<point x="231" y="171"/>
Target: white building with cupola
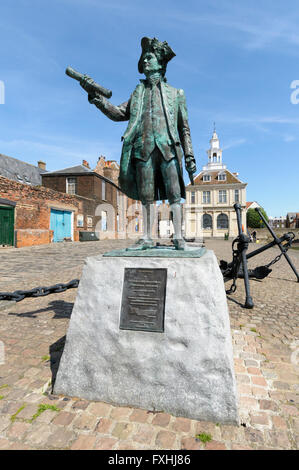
<point x="209" y="207"/>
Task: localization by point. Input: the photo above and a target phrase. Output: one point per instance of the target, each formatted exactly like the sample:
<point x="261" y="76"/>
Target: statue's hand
<point x="190" y="164"/>
<point x="92" y="98"/>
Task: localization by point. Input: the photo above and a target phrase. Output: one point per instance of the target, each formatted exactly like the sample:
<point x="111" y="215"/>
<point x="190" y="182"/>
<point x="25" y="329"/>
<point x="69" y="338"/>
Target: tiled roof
<point x="23" y="172"/>
<point x="230" y="178"/>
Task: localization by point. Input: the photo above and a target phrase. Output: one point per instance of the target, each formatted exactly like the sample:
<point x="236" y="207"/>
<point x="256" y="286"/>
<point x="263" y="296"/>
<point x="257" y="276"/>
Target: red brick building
<point x="111" y="215"/>
<point x="25" y="213"/>
<point x="76" y="203"/>
<point x="100" y="215"/>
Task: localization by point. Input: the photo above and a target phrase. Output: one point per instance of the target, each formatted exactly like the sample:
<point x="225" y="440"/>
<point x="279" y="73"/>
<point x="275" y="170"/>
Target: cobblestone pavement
<point x="32" y="334"/>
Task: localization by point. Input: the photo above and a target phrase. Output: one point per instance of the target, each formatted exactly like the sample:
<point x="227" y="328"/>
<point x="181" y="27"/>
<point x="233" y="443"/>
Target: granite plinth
<point x="187" y="370"/>
<point x="159" y="252"/>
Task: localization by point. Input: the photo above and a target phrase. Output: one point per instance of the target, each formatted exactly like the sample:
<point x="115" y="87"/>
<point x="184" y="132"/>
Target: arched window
<point x="215" y="157"/>
<point x="222" y="221"/>
<point x="207" y="221"/>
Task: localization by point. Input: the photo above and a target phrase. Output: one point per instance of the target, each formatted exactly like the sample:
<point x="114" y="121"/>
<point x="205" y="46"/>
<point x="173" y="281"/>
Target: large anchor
<point x="238" y="266"/>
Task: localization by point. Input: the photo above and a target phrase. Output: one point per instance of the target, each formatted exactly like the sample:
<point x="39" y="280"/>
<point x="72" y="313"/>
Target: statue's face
<point x="150" y="63"/>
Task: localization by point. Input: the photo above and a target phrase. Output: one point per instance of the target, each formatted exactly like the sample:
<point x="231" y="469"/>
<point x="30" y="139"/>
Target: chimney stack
<point x="41" y="165"/>
<point x="85" y="163"/>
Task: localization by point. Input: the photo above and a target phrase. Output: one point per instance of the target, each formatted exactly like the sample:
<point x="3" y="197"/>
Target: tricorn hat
<point x="162" y="51"/>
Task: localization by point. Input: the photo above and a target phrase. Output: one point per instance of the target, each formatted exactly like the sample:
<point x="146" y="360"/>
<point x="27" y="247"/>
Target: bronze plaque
<point x="143" y="299"/>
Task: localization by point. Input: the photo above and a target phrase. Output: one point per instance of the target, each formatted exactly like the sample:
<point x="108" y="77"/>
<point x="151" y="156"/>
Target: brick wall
<point x="89" y="187"/>
<point x="33" y="209"/>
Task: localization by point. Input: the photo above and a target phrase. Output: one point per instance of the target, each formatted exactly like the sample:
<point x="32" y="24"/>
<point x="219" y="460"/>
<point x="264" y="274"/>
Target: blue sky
<point x="235" y="60"/>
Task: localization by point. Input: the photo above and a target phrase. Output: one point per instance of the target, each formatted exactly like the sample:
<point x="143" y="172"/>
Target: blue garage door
<point x="61" y="225"/>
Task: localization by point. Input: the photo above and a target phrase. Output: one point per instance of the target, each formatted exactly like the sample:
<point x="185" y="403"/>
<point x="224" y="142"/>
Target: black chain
<point x="286" y="246"/>
<point x="235" y="267"/>
<point x="19" y="295"/>
<point x="259" y="272"/>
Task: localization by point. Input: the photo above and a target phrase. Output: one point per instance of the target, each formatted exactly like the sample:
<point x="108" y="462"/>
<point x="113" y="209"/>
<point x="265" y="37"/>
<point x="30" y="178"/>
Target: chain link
<point x="19" y="295"/>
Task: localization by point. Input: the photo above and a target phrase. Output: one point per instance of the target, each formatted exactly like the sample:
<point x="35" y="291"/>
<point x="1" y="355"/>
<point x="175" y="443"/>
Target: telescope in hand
<point x="88" y="83"/>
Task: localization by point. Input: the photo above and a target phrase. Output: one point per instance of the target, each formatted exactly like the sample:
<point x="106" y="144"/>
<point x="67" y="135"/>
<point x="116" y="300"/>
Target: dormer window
<point x="221" y="177"/>
<point x="206" y="178"/>
<point x="27" y="180"/>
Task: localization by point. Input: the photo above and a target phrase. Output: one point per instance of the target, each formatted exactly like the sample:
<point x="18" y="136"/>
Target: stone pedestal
<point x="187" y="370"/>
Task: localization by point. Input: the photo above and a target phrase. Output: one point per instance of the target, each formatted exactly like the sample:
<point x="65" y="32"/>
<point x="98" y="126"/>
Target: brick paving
<point x="266" y="355"/>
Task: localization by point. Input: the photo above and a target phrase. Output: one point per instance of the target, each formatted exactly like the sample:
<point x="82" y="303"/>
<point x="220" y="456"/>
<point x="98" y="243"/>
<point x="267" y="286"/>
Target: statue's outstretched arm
<point x="116" y="113"/>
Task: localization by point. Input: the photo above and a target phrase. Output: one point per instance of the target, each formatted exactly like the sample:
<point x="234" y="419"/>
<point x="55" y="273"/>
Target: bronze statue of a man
<point x="158" y="130"/>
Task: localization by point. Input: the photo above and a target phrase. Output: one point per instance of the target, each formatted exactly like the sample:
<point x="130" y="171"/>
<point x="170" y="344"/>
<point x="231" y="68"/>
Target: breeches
<point x="156" y="176"/>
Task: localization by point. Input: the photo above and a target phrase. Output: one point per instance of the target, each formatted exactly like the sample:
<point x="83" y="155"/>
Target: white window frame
<point x="71" y="186"/>
<point x="103" y="190"/>
<point x="206" y="178"/>
<point x="221" y="177"/>
<point x="206" y="197"/>
<point x="222" y="196"/>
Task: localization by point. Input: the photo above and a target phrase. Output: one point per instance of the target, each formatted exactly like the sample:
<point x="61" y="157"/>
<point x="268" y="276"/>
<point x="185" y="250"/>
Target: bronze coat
<point x="176" y="116"/>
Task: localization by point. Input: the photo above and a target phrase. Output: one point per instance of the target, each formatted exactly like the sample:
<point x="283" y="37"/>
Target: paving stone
<point x="100" y="409"/>
<point x="104" y="425"/>
<point x="190" y="443"/>
<point x="260" y="418"/>
<point x="35" y="325"/>
<point x="240" y="447"/>
<point x="38" y="435"/>
<point x="61" y="438"/>
<point x="253" y="436"/>
<point x="127" y="445"/>
<point x="214" y="445"/>
<point x="46" y="416"/>
<point x="64" y="418"/>
<point x="85" y="422"/>
<point x="80" y="405"/>
<point x="249" y="403"/>
<point x="4" y="444"/>
<point x="281" y="385"/>
<point x="18" y="429"/>
<point x="19" y="446"/>
<point x="144" y="434"/>
<point x="122" y="430"/>
<point x="289" y="410"/>
<point x="260" y="392"/>
<point x="4" y="423"/>
<point x="268" y="405"/>
<point x="181" y="425"/>
<point x="120" y="413"/>
<point x="254" y="371"/>
<point x="140" y="416"/>
<point x="230" y="433"/>
<point x="161" y="419"/>
<point x="165" y="439"/>
<point x="105" y="443"/>
<point x="279" y="422"/>
<point x="84" y="442"/>
<point x="258" y="381"/>
<point x="278" y="439"/>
